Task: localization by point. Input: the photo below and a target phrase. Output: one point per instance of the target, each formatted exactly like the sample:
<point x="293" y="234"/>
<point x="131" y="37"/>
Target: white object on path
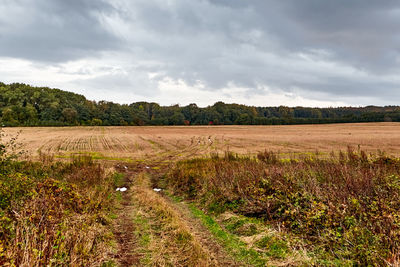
<point x="147" y="167"/>
<point x="157" y="189"/>
<point x="122" y="189"/>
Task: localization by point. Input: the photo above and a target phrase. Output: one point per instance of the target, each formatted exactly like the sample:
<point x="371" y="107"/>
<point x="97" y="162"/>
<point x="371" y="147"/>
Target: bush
<point x="348" y="204"/>
<point x="53" y="213"/>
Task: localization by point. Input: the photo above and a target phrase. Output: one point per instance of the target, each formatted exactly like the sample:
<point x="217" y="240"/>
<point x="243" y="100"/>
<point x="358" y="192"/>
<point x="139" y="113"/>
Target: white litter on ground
<point x="122" y="189"/>
<point x="157" y="189"/>
<point x="147" y="167"/>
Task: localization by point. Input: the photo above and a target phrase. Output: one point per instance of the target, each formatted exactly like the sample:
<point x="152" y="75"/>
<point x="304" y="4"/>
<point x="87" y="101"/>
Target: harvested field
<point x="183" y="223"/>
<point x="125" y="143"/>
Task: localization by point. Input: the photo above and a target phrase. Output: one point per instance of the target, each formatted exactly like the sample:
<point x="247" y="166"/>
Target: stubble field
<point x="126" y="143"/>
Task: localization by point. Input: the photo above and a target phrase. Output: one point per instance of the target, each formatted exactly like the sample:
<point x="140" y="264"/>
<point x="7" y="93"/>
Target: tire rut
<point x="124" y="229"/>
<point x="203" y="235"/>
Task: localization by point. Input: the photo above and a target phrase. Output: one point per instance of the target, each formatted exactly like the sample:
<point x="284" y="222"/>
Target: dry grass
<point x="121" y="143"/>
<point x="54" y="221"/>
<point x="345" y="205"/>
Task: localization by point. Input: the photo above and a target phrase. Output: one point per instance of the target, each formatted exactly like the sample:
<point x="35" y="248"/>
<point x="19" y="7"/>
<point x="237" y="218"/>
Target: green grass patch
<point x="242" y="227"/>
<point x="175" y="198"/>
<point x="118" y="179"/>
<point x="232" y="243"/>
<point x="143" y="233"/>
<point x="274" y="246"/>
<point x="93" y="155"/>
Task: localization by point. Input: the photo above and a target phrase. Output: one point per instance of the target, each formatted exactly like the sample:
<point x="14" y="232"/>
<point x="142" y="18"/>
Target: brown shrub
<point x="348" y="204"/>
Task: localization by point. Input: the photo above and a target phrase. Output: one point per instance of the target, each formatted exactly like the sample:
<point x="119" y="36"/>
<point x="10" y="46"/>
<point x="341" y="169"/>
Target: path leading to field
<point x="153" y="230"/>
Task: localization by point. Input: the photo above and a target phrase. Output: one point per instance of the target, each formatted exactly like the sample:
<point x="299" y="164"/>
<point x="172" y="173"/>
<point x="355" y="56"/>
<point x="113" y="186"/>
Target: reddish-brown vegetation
<point x="54" y="214"/>
<point x="346" y="205"/>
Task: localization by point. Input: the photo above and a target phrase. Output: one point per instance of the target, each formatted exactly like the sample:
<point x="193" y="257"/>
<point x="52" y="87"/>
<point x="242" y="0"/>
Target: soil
<point x="124" y="228"/>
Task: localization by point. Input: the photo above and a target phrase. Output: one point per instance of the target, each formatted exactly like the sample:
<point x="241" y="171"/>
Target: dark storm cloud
<point x="245" y="41"/>
<point x="360" y="32"/>
<point x="55" y="30"/>
<point x="333" y="49"/>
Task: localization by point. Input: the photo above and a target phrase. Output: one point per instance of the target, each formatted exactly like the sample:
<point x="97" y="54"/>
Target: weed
<point x="346" y="204"/>
<point x="275" y="247"/>
<point x="118" y="179"/>
<point x="241" y="227"/>
<point x="54" y="213"/>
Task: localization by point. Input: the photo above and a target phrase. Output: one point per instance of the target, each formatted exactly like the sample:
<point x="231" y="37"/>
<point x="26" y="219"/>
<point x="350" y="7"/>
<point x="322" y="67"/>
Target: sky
<point x="254" y="52"/>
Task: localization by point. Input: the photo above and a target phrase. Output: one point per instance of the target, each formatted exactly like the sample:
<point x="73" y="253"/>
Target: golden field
<point x="185" y="141"/>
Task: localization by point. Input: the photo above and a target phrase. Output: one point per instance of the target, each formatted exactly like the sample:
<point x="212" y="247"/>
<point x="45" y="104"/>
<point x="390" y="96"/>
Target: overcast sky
<point x="255" y="52"/>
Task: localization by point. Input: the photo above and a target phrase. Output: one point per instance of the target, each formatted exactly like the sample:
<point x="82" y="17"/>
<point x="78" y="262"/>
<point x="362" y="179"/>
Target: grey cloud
<point x="311" y="46"/>
<point x="345" y="89"/>
<point x="55" y="30"/>
<point x="134" y="82"/>
<point x="361" y="33"/>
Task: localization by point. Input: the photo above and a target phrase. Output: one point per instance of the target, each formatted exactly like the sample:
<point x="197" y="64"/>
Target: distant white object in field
<point x="125" y="167"/>
<point x="157" y="189"/>
<point x="147" y="167"/>
<point x="122" y="189"/>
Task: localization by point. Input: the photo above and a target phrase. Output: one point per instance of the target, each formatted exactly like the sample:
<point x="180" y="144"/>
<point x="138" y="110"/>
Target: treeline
<point x="24" y="105"/>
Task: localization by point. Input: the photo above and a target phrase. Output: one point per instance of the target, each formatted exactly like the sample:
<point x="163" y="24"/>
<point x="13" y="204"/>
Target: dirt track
<point x="140" y="199"/>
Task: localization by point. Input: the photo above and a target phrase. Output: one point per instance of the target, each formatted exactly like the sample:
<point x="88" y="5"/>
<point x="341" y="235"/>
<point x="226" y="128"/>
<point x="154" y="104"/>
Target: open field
<point x="125" y="143"/>
<point x="274" y="201"/>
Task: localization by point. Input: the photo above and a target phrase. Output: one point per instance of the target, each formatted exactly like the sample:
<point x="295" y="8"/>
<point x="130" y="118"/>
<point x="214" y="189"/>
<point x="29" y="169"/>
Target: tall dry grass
<point x="54" y="213"/>
<point x="346" y="206"/>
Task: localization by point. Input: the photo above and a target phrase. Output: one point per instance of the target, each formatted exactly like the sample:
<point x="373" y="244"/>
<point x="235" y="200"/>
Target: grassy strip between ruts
<point x="145" y="236"/>
<point x="166" y="238"/>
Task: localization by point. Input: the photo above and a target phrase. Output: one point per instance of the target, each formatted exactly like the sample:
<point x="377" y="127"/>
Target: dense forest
<point x="24" y="105"/>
